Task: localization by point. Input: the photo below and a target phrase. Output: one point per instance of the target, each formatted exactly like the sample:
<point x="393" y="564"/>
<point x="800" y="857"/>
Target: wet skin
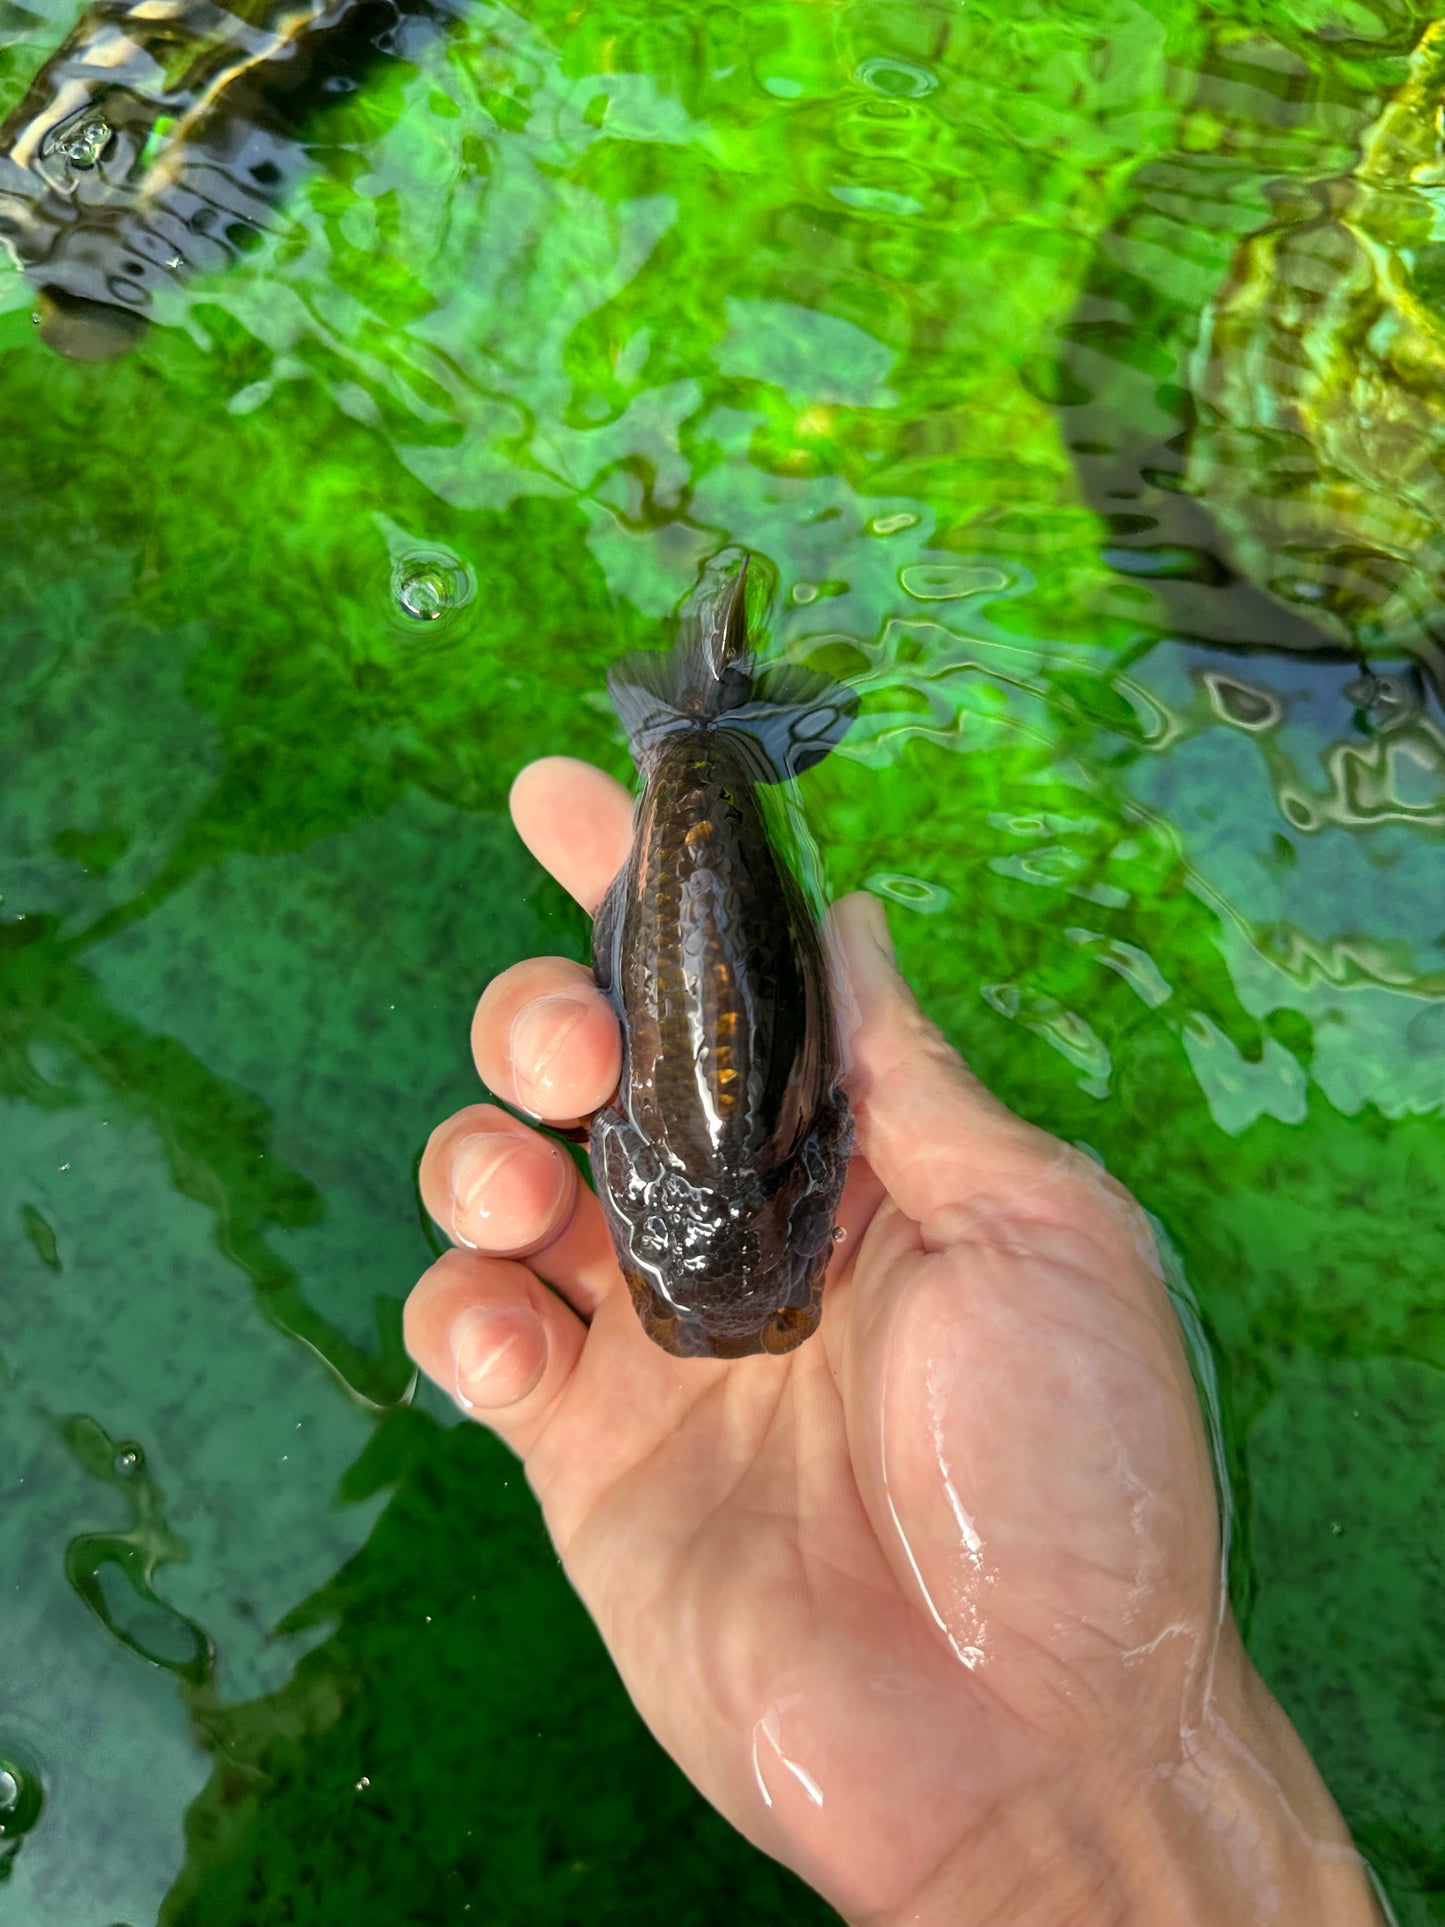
<point x="930" y="1608"/>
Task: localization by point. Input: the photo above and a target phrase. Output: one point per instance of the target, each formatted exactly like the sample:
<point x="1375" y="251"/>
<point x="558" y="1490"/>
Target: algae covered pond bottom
<point x="907" y="298"/>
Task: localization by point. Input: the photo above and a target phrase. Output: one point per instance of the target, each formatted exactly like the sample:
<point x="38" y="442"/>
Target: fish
<point x="720" y="1158"/>
<point x="159" y="140"/>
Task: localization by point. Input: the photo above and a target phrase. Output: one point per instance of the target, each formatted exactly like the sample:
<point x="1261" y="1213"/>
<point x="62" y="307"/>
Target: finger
<point x="495" y="1340"/>
<point x="502" y="1189"/>
<point x="495" y="1186"/>
<point x="576" y="820"/>
<point x="939" y="1141"/>
<point x="863" y="1196"/>
<point x="545" y="1038"/>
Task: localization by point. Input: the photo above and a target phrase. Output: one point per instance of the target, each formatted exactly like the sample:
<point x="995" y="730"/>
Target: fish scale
<point x="698" y="1020"/>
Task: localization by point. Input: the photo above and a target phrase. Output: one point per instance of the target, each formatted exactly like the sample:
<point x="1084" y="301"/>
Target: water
<point x="84" y="147"/>
<point x="904" y="297"/>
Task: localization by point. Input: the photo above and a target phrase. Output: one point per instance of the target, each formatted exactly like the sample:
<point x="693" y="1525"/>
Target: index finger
<point x="576" y="820"/>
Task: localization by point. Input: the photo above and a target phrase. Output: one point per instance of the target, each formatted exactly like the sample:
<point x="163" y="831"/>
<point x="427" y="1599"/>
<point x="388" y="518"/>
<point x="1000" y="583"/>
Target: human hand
<point x="931" y="1608"/>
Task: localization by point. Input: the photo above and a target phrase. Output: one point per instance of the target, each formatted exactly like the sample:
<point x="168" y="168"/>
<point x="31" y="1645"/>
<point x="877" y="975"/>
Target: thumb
<point x="933" y="1134"/>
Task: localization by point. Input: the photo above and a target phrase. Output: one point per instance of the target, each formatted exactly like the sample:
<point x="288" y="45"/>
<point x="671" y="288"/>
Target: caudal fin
<point x="710" y="676"/>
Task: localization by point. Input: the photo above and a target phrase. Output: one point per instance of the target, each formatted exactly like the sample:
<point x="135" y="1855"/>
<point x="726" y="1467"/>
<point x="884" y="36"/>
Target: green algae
<point x="578" y="297"/>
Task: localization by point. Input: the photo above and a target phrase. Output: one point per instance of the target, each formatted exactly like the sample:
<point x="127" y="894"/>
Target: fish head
<point x="736" y="1265"/>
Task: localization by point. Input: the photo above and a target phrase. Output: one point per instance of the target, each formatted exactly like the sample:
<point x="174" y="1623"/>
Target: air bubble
<point x="85" y="146"/>
<point x="128" y="1460"/>
<point x="422" y="594"/>
<point x="22" y="1796"/>
<point x="428" y="586"/>
<point x="424" y="591"/>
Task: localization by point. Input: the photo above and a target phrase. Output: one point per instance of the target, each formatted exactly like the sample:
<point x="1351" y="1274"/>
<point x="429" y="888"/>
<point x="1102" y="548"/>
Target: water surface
<point x="567" y="301"/>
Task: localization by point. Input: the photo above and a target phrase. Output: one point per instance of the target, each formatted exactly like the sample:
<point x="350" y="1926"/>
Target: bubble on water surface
<point x="85" y="146"/>
<point x="22" y="1796"/>
<point x="422" y="594"/>
<point x="429" y="585"/>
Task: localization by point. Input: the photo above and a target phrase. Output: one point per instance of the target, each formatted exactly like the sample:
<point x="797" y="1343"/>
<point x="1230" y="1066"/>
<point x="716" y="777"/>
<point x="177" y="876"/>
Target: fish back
<point x="721" y="979"/>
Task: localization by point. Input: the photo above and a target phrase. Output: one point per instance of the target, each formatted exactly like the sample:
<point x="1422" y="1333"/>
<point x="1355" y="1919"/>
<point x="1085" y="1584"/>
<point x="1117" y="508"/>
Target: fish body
<point x="157" y="142"/>
<point x="721" y="1159"/>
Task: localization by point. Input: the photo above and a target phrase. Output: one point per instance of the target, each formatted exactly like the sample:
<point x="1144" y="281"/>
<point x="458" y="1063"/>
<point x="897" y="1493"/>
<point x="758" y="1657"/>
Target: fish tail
<point x="710" y="676"/>
<point x="706" y="673"/>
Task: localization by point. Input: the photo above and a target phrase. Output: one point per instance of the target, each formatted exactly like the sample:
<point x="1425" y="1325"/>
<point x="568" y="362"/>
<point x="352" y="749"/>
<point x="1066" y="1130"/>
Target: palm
<point x="983" y="1485"/>
<point x="747" y="1541"/>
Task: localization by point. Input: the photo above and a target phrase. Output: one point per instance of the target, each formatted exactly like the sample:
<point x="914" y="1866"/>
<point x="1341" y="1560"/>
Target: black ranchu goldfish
<point x="720" y="1160"/>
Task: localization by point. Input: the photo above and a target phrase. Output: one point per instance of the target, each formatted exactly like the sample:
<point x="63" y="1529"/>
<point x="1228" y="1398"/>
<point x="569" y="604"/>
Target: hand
<point x="932" y="1607"/>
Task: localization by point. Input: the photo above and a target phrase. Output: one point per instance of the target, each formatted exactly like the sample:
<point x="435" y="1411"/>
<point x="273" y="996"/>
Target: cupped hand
<point x="956" y="1559"/>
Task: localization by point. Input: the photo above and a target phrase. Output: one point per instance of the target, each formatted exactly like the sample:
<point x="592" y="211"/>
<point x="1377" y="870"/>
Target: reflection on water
<point x="159" y="142"/>
<point x="430" y="585"/>
<point x="908" y="299"/>
<point x="113" y="1572"/>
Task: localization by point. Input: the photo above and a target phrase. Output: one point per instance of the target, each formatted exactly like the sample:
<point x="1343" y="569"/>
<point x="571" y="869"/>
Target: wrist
<point x="1234" y="1827"/>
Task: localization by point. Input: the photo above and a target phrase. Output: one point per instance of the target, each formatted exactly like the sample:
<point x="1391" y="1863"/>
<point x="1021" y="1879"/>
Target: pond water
<point x="905" y="295"/>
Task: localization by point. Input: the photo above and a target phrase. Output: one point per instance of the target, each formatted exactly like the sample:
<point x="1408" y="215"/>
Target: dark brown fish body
<point x="721" y="1160"/>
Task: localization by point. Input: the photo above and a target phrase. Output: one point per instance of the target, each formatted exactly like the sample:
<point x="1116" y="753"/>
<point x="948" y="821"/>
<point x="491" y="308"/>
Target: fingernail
<point x="498" y="1355"/>
<point x="538" y="1037"/>
<point x="498" y="1192"/>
